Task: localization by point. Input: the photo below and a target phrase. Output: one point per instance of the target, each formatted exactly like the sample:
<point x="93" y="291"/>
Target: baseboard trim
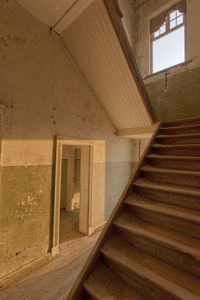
<point x="55" y="250"/>
<point x="22" y="272"/>
<point x="96" y="228"/>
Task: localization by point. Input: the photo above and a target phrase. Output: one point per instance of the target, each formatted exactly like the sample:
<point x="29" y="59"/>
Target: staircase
<point x="150" y="248"/>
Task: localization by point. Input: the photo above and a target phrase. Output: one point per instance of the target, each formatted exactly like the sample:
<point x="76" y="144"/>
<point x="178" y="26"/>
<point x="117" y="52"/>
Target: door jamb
<point x="56" y="215"/>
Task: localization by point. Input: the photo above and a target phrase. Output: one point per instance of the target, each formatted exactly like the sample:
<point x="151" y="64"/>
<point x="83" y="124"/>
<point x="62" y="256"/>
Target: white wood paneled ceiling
<point x="47" y="11"/>
<point x="93" y="43"/>
<point x="51" y="12"/>
<point x="88" y="33"/>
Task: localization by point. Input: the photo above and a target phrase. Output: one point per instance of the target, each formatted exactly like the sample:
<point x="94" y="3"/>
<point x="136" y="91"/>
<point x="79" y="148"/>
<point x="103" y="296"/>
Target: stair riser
<point x="142" y="285"/>
<point x="170" y="198"/>
<point x="181" y="123"/>
<point x="169" y="131"/>
<point x="178" y="140"/>
<point x="172" y="256"/>
<point x="175" y="164"/>
<point x="195" y="151"/>
<point x="177" y="179"/>
<point x="168" y="222"/>
<point x="89" y="297"/>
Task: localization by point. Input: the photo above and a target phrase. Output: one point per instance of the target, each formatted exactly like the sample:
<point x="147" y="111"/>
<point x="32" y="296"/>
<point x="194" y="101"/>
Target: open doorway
<point x="78" y="205"/>
<point x="70" y="193"/>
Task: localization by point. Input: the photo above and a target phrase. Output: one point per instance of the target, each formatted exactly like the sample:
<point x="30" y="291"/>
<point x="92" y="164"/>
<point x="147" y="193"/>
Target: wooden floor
<point x="69" y="225"/>
<point x="54" y="277"/>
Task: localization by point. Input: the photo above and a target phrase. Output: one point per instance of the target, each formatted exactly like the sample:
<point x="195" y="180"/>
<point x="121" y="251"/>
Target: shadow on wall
<point x="181" y="100"/>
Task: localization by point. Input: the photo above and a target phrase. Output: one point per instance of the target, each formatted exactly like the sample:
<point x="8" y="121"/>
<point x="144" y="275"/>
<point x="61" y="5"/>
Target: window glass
<point x="169" y="50"/>
<point x="168" y="37"/>
<point x="172" y="24"/>
<point x="173" y="15"/>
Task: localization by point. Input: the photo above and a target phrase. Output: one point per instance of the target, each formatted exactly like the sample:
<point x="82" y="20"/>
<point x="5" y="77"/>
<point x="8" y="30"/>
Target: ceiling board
<point x="47" y="11"/>
<point x="92" y="41"/>
<point x="137" y="3"/>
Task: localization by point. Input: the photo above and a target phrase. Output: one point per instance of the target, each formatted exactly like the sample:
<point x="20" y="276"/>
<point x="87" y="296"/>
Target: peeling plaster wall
<point x="128" y="19"/>
<point x="42" y="93"/>
<point x="182" y="97"/>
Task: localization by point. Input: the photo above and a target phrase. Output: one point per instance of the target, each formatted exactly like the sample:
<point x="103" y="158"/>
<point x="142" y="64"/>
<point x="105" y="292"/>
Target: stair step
<point x="175" y="218"/>
<point x="182" y="122"/>
<point x="181" y="129"/>
<point x="175" y="248"/>
<point x="152" y="277"/>
<point x="174" y="162"/>
<point x="178" y="177"/>
<point x="185" y="150"/>
<point x="178" y="139"/>
<point x="172" y="194"/>
<point x="167" y="188"/>
<point x="104" y="284"/>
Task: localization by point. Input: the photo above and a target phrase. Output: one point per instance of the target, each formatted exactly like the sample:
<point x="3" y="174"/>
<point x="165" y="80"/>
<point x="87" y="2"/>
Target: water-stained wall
<point x="181" y="100"/>
<point x="42" y="94"/>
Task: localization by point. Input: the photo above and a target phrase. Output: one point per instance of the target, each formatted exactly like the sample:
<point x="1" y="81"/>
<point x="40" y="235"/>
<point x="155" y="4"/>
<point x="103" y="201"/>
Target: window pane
<point x="162" y="29"/>
<point x="169" y="50"/>
<point x="172" y="24"/>
<point x="179" y="13"/>
<point x="156" y="34"/>
<point x="180" y="20"/>
<point x="173" y="15"/>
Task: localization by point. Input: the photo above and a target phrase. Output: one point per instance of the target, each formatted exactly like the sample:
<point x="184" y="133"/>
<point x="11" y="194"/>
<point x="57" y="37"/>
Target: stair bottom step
<point x="147" y="274"/>
<point x="104" y="284"/>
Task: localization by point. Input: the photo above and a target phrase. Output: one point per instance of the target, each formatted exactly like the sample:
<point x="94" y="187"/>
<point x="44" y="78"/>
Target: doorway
<point x="72" y="192"/>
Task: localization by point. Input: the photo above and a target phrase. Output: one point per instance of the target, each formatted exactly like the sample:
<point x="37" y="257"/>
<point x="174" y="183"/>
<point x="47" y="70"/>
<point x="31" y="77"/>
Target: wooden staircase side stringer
<point x="76" y="292"/>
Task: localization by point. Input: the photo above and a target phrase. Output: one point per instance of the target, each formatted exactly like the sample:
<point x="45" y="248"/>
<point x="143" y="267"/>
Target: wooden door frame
<point x="56" y="215"/>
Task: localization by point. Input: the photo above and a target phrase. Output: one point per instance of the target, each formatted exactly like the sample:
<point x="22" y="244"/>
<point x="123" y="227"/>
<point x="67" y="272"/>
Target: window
<point x="168" y="38"/>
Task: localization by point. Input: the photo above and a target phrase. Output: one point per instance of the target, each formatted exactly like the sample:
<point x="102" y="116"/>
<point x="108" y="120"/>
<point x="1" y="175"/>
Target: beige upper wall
<point x="128" y="19"/>
<point x="95" y="47"/>
<point x="104" y="65"/>
<point x="42" y="93"/>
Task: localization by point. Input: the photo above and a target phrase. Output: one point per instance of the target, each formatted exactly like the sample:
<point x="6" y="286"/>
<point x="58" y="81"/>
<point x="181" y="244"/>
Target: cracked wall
<point x="42" y="94"/>
<point x="181" y="100"/>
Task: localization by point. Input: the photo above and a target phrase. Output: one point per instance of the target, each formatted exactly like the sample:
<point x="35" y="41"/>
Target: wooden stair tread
<point x="178" y="122"/>
<point x="192" y="126"/>
<point x="169" y="188"/>
<point x="170" y="210"/>
<point x="149" y="168"/>
<point x="104" y="284"/>
<point x="164" y="276"/>
<point x="171" y="239"/>
<point x="167" y="136"/>
<point x="176" y="146"/>
<point x="174" y="157"/>
<point x="151" y="246"/>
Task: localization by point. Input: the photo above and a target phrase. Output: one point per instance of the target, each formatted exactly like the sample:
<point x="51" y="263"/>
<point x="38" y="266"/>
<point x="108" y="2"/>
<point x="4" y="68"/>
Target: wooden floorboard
<point x="54" y="279"/>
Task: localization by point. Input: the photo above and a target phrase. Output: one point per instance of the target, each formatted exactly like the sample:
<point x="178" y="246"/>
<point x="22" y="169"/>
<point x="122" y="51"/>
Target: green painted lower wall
<point x="25" y="210"/>
<point x="63" y="196"/>
<point x="77" y="187"/>
<point x="24" y="215"/>
<point x="182" y="98"/>
<point x="117" y="176"/>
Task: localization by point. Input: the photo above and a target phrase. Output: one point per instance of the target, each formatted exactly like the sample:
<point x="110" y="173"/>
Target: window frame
<point x="168" y="31"/>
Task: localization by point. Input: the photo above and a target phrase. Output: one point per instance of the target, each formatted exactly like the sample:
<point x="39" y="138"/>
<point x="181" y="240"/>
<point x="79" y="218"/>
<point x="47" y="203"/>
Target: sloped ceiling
<point x="47" y="11"/>
<point x="88" y="34"/>
<point x="93" y="43"/>
<point x="137" y="3"/>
